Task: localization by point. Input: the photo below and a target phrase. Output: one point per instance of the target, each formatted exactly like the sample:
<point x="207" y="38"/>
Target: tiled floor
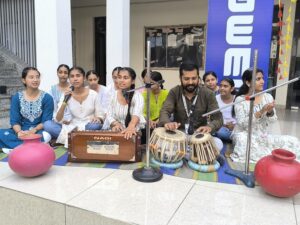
<point x="90" y="196"/>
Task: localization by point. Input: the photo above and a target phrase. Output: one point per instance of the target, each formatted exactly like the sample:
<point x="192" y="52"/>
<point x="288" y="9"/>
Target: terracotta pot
<point x="279" y="173"/>
<point x="32" y="158"/>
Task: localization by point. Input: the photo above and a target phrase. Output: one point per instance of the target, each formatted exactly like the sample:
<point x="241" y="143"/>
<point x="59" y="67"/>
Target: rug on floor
<point x="184" y="171"/>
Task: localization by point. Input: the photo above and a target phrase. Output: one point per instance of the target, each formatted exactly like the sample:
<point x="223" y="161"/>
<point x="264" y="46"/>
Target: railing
<point x="17" y="28"/>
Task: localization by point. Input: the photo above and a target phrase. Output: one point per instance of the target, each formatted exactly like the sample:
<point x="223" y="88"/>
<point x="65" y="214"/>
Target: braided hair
<point x="128" y="96"/>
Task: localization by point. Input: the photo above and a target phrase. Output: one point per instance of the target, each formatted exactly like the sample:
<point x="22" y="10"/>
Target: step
<point x="13" y="89"/>
<point x="4" y="113"/>
<point x="4" y="123"/>
<point x="8" y="70"/>
<point x="5" y="104"/>
<point x="10" y="80"/>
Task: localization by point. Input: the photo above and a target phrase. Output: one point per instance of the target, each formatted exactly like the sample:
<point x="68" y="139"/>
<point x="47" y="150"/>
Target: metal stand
<point x="147" y="173"/>
<point x="246" y="176"/>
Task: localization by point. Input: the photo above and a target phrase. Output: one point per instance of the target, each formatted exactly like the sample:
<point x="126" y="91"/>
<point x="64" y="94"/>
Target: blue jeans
<point x="53" y="128"/>
<point x="93" y="126"/>
<point x="224" y="134"/>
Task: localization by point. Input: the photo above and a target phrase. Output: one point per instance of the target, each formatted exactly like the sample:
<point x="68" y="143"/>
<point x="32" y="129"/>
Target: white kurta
<point x="262" y="142"/>
<point x="118" y="112"/>
<point x="79" y="114"/>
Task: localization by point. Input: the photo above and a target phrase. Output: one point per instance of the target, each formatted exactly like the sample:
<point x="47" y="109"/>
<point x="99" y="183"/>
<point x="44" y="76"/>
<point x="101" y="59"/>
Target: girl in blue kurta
<point x="29" y="110"/>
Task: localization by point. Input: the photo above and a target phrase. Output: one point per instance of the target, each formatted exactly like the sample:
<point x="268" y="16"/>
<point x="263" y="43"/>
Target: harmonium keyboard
<point x="103" y="146"/>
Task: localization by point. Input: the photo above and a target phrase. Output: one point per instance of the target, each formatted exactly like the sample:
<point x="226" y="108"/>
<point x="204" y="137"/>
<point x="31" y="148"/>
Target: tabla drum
<point x="167" y="147"/>
<point x="203" y="153"/>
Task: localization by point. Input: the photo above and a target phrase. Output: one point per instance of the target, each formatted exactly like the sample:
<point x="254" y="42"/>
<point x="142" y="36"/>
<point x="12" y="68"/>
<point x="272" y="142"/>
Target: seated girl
<point x="225" y="98"/>
<point x="80" y="107"/>
<point x="157" y="97"/>
<point x="125" y="113"/>
<point x="93" y="78"/>
<point x="263" y="142"/>
<point x="57" y="92"/>
<point x="210" y="80"/>
<point x="29" y="110"/>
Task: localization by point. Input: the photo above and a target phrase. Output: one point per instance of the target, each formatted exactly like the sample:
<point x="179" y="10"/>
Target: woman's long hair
<point x="129" y="96"/>
<point x="244" y="89"/>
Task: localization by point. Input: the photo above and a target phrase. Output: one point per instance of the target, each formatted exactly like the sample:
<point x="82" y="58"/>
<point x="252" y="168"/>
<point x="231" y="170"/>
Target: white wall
<point x="53" y="44"/>
<point x="150" y="14"/>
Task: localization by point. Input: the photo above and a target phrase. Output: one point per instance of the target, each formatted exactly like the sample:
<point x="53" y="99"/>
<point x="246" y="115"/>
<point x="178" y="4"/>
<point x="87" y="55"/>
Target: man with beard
<point x="188" y="102"/>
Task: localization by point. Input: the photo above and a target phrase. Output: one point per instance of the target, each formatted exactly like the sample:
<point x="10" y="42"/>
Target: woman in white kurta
<point x="93" y="79"/>
<point x="263" y="142"/>
<point x="125" y="113"/>
<point x="82" y="108"/>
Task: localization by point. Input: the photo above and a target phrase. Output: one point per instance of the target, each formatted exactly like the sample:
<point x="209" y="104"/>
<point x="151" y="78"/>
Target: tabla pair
<point x="169" y="147"/>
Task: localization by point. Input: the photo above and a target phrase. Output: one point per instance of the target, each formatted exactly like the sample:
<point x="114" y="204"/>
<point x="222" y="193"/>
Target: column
<point x="53" y="38"/>
<point x="117" y="35"/>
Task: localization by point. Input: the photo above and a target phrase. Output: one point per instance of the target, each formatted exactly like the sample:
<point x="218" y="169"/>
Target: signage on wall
<point x="235" y="29"/>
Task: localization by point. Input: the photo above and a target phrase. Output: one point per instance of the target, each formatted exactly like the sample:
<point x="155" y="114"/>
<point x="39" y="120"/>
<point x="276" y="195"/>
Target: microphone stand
<point x="245" y="176"/>
<point x="147" y="173"/>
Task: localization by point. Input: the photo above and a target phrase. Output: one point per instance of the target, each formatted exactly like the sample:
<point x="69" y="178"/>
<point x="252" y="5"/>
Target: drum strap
<point x="189" y="113"/>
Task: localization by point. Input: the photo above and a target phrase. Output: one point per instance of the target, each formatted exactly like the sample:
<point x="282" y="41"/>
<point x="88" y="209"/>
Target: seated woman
<point x="57" y="92"/>
<point x="111" y="88"/>
<point x="125" y="113"/>
<point x="63" y="85"/>
<point x="93" y="78"/>
<point x="81" y="107"/>
<point x="225" y="98"/>
<point x="264" y="113"/>
<point x="210" y="80"/>
<point x="30" y="109"/>
<point x="158" y="96"/>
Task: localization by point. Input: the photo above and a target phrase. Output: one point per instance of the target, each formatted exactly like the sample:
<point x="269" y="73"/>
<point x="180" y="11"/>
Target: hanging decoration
<point x="285" y="42"/>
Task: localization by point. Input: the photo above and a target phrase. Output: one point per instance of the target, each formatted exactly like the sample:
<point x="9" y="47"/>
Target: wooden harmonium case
<point x="103" y="146"/>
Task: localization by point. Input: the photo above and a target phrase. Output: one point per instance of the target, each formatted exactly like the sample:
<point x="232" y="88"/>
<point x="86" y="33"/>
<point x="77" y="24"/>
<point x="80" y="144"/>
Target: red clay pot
<point x="279" y="173"/>
<point x="32" y="158"/>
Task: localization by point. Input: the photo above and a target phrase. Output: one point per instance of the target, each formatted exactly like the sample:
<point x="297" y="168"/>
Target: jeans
<point x="53" y="128"/>
<point x="224" y="134"/>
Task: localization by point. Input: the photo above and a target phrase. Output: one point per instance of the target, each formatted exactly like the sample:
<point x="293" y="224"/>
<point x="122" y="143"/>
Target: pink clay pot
<point x="32" y="158"/>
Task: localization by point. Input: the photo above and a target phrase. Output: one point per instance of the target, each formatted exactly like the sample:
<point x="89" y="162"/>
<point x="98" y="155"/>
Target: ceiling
<point x="89" y="3"/>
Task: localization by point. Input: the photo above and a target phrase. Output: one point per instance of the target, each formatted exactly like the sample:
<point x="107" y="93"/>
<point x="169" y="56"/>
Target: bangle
<point x="64" y="103"/>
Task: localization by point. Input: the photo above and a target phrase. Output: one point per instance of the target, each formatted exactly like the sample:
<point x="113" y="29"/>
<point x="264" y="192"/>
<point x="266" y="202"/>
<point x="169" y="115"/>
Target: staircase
<point x="10" y="76"/>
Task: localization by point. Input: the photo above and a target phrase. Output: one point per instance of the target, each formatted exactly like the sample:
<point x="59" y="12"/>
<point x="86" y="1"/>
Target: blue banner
<point x="235" y="29"/>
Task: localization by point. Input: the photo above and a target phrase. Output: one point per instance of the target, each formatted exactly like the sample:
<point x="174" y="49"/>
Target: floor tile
<point x="297" y="212"/>
<point x="209" y="206"/>
<point x="296" y="199"/>
<point x="241" y="189"/>
<point x="75" y="216"/>
<point x="17" y="208"/>
<point x="60" y="184"/>
<point x="5" y="171"/>
<point x="122" y="198"/>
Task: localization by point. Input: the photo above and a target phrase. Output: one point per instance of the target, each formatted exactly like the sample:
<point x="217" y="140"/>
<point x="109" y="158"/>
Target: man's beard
<point x="190" y="88"/>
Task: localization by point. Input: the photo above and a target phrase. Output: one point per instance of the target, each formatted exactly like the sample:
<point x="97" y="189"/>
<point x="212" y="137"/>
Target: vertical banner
<point x="235" y="29"/>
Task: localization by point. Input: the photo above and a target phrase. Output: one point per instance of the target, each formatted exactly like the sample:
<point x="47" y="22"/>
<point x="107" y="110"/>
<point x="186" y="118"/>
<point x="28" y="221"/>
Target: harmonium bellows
<point x="103" y="146"/>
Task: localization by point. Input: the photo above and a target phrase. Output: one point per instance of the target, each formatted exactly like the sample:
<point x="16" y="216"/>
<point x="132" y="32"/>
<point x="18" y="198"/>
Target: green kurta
<point x="155" y="103"/>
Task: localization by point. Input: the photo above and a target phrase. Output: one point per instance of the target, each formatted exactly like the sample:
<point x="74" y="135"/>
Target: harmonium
<point x="103" y="146"/>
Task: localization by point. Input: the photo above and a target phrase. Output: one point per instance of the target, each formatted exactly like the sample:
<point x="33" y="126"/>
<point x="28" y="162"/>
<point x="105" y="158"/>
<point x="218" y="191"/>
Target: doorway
<point x="100" y="48"/>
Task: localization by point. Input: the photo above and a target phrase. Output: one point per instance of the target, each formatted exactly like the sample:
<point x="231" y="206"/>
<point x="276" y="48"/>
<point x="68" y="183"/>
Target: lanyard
<point x="190" y="112"/>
